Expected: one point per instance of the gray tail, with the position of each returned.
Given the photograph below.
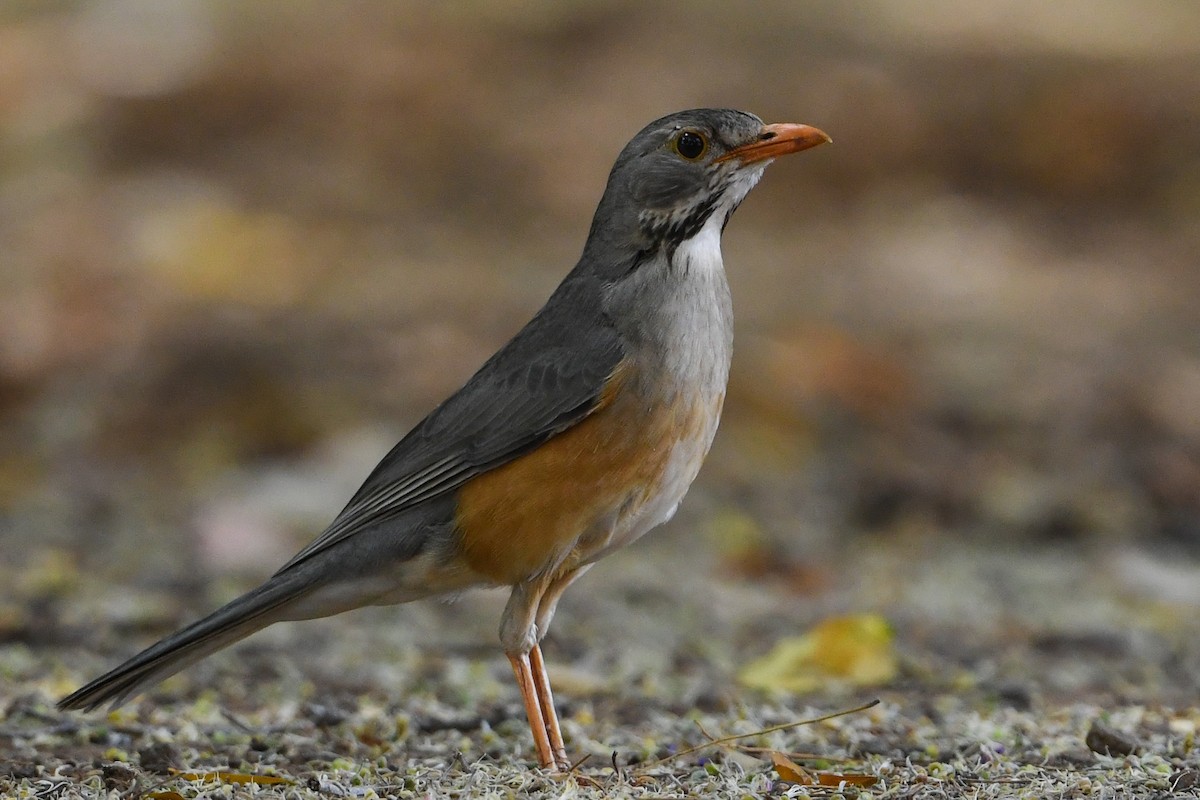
(234, 621)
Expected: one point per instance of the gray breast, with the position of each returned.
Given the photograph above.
(677, 322)
(677, 317)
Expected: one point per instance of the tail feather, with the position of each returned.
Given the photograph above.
(234, 621)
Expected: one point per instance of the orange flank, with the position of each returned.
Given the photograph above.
(549, 511)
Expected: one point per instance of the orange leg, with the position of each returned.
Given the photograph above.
(546, 700)
(529, 692)
(526, 618)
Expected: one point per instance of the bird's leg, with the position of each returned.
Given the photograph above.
(522, 626)
(545, 612)
(519, 635)
(527, 683)
(548, 602)
(541, 683)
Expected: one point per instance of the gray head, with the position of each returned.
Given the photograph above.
(680, 171)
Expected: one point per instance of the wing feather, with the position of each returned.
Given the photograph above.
(546, 379)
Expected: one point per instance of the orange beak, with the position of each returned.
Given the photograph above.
(778, 140)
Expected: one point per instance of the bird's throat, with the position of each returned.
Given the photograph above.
(701, 253)
(699, 224)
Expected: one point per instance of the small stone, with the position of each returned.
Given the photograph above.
(1185, 780)
(1015, 695)
(117, 776)
(325, 715)
(22, 771)
(1071, 758)
(158, 758)
(1106, 741)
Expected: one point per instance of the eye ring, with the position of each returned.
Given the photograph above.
(690, 145)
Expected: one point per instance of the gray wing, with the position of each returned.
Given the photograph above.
(546, 379)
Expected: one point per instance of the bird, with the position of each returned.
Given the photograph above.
(577, 437)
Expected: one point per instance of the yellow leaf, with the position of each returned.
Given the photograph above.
(215, 250)
(230, 777)
(855, 650)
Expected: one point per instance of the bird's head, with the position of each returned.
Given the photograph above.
(682, 170)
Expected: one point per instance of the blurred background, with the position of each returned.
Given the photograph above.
(245, 246)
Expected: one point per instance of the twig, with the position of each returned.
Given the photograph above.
(774, 728)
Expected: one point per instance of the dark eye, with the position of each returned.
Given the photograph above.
(691, 145)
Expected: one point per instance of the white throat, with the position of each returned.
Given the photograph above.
(702, 253)
(703, 250)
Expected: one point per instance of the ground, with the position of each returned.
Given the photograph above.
(1000, 696)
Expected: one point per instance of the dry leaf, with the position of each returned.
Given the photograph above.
(855, 650)
(847, 778)
(791, 771)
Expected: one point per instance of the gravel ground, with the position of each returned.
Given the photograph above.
(1050, 674)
